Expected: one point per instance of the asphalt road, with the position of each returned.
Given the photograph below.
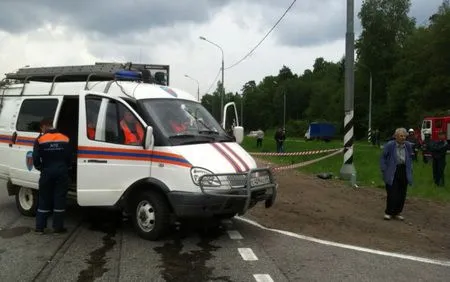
(101, 246)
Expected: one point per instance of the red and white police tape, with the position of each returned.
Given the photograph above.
(304, 153)
(297, 165)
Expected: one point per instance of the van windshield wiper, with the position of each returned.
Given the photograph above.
(182, 136)
(185, 139)
(208, 132)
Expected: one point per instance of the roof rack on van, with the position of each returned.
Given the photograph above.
(100, 71)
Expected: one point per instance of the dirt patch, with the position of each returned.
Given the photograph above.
(332, 210)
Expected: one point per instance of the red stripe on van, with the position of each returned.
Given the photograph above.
(246, 167)
(229, 159)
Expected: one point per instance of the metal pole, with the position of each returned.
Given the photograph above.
(198, 86)
(369, 137)
(284, 110)
(223, 90)
(242, 110)
(198, 91)
(223, 84)
(348, 171)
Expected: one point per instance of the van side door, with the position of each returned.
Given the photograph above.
(9, 107)
(107, 161)
(26, 129)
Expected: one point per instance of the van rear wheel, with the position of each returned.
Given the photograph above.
(27, 201)
(151, 215)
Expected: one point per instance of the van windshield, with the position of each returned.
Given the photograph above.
(186, 121)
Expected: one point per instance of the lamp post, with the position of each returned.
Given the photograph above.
(223, 85)
(284, 110)
(242, 110)
(369, 129)
(284, 104)
(198, 86)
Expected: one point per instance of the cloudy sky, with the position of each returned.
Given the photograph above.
(53, 32)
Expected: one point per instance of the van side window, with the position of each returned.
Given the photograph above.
(33, 111)
(121, 126)
(92, 110)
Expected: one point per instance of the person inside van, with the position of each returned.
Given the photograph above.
(132, 129)
(91, 130)
(178, 121)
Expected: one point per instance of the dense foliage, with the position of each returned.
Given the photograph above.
(409, 63)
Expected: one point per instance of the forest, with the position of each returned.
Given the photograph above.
(410, 67)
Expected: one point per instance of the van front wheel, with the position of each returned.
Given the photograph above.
(150, 215)
(27, 201)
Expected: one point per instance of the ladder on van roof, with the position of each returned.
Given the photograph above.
(100, 71)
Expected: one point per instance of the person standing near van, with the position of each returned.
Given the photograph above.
(52, 157)
(396, 168)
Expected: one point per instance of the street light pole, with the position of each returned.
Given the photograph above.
(198, 86)
(242, 110)
(369, 137)
(284, 110)
(369, 127)
(223, 84)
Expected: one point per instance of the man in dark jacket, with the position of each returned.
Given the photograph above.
(438, 151)
(280, 136)
(396, 168)
(52, 157)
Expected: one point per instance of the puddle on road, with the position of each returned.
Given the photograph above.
(189, 266)
(14, 232)
(103, 222)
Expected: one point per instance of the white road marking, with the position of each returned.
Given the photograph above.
(350, 247)
(235, 235)
(247, 254)
(263, 278)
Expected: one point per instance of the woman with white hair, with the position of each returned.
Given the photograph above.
(396, 168)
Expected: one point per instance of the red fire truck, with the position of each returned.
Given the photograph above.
(433, 125)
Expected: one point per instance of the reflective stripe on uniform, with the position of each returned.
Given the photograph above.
(43, 211)
(53, 137)
(59, 210)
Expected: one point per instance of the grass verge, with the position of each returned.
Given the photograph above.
(366, 161)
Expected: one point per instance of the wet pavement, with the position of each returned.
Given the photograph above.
(101, 245)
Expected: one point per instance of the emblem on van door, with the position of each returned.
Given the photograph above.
(29, 160)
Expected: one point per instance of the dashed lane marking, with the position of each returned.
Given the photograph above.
(234, 235)
(350, 247)
(263, 278)
(247, 254)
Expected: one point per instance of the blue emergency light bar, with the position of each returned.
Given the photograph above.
(128, 75)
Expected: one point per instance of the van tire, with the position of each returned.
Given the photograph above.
(150, 215)
(27, 201)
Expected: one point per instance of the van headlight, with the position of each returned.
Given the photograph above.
(209, 180)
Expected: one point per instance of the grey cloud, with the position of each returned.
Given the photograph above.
(312, 22)
(105, 17)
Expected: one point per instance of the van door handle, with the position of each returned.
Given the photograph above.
(13, 139)
(98, 161)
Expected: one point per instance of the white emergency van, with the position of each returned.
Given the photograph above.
(187, 165)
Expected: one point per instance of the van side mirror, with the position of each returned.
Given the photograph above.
(148, 138)
(238, 132)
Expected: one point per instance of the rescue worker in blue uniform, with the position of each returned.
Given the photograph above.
(52, 157)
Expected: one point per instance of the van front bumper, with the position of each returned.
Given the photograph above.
(235, 194)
